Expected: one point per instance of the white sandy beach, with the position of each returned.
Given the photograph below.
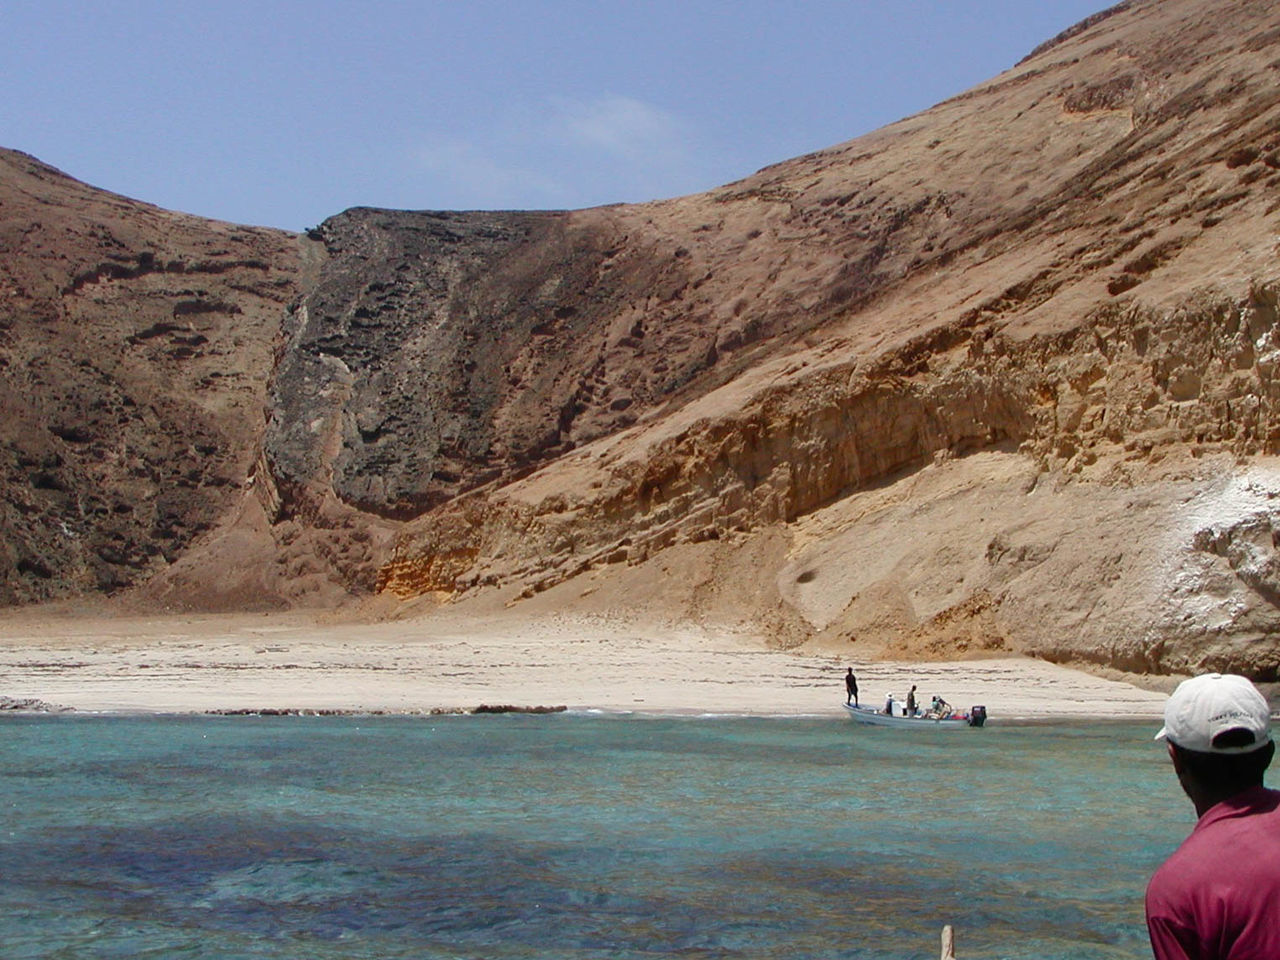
(293, 662)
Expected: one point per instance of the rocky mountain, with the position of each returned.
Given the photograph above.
(136, 347)
(1000, 376)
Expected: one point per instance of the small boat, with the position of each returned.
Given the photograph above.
(975, 717)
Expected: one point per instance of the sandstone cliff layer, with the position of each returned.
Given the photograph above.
(1000, 376)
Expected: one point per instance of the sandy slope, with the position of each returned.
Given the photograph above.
(293, 662)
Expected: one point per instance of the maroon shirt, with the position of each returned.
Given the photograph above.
(1218, 896)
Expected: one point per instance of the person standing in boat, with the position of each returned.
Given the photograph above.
(1218, 896)
(911, 701)
(851, 688)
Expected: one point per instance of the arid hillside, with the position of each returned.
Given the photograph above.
(136, 347)
(998, 377)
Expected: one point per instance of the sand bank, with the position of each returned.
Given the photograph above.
(245, 662)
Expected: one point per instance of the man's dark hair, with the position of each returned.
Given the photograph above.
(1228, 770)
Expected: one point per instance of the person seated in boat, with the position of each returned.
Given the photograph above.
(888, 705)
(939, 707)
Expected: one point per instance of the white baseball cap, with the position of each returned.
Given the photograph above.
(1205, 707)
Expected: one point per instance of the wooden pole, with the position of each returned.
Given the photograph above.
(948, 943)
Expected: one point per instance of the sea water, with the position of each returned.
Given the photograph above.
(573, 836)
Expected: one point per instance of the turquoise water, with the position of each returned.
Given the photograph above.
(575, 837)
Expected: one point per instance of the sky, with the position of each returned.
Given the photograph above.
(282, 113)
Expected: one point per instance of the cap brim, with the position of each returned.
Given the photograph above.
(1162, 735)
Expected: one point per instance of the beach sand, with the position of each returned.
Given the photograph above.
(288, 662)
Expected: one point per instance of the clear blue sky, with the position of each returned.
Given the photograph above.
(284, 112)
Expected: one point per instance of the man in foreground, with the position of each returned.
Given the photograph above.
(1218, 896)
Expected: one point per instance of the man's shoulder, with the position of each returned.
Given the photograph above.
(1223, 831)
(1181, 871)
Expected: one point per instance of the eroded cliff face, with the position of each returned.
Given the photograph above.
(1097, 521)
(1001, 376)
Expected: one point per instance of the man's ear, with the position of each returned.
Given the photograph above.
(1173, 755)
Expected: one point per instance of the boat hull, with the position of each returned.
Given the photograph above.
(874, 717)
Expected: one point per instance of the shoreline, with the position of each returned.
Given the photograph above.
(297, 664)
(52, 712)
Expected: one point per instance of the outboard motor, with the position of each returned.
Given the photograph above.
(977, 716)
